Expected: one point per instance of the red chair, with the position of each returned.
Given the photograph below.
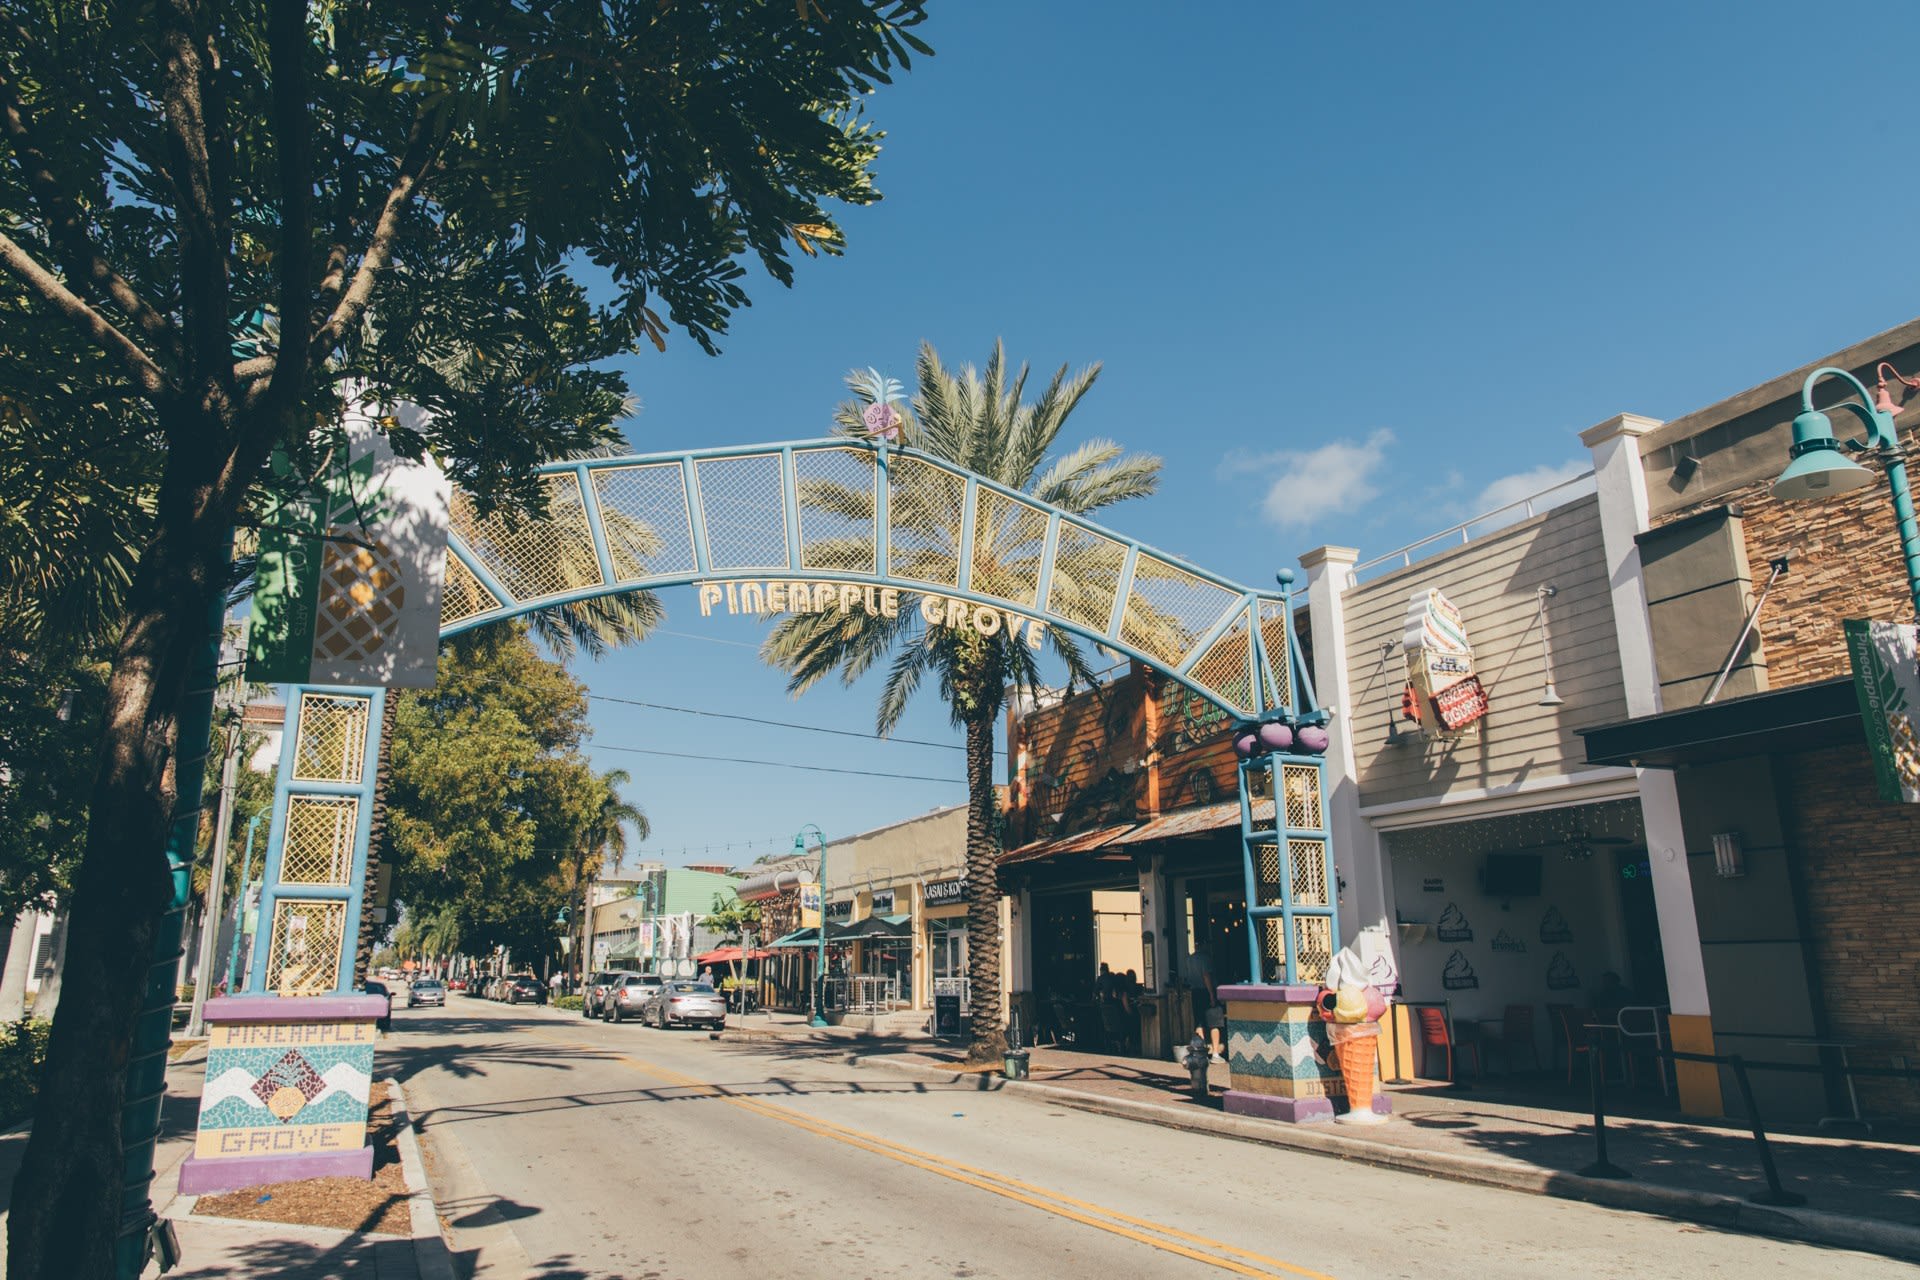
(1516, 1035)
(1571, 1024)
(1436, 1033)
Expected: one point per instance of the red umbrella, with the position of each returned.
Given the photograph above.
(730, 954)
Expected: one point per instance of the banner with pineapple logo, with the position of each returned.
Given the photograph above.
(348, 581)
(1886, 679)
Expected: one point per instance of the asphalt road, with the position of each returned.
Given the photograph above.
(562, 1148)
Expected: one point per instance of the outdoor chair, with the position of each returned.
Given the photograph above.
(1516, 1036)
(1436, 1034)
(1571, 1023)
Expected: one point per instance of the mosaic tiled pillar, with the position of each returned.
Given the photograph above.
(1277, 1060)
(286, 1091)
(316, 860)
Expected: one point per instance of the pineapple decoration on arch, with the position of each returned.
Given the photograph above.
(885, 424)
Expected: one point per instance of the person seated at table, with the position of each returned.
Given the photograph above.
(1612, 995)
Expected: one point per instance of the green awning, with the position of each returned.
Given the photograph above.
(798, 938)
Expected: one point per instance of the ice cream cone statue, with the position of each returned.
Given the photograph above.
(1352, 1008)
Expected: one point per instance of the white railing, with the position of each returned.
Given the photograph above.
(1499, 518)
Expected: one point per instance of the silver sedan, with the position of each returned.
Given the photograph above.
(686, 1004)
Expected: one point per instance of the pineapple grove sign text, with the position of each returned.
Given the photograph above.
(769, 596)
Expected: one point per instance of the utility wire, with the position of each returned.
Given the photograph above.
(784, 724)
(781, 764)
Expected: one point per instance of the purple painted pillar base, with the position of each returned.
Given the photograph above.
(1293, 1110)
(202, 1177)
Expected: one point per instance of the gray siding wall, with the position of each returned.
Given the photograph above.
(1493, 581)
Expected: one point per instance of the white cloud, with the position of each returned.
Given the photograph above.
(1531, 482)
(1309, 484)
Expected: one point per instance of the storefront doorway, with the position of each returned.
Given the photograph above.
(1215, 909)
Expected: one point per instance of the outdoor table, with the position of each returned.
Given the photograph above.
(1853, 1097)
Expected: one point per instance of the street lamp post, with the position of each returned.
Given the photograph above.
(240, 907)
(820, 973)
(1820, 468)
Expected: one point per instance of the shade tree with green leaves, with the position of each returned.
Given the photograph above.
(233, 213)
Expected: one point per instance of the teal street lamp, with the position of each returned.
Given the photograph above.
(820, 972)
(240, 908)
(1820, 467)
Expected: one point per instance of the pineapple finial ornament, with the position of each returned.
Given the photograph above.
(883, 421)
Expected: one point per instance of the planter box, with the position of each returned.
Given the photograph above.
(286, 1091)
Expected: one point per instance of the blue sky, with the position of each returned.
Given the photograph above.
(1355, 275)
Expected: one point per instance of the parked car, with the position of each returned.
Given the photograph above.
(593, 992)
(427, 991)
(686, 1004)
(376, 988)
(625, 998)
(457, 984)
(523, 988)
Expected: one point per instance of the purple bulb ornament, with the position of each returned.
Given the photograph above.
(1312, 739)
(1276, 735)
(1246, 743)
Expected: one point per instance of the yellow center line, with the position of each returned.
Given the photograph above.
(1165, 1238)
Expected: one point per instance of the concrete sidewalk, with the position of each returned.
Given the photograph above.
(226, 1247)
(1861, 1193)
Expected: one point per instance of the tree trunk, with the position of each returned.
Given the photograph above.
(66, 1206)
(989, 1040)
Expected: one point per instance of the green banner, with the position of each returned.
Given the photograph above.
(1886, 680)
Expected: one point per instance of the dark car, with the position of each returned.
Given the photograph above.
(523, 988)
(385, 1021)
(625, 998)
(686, 1004)
(593, 992)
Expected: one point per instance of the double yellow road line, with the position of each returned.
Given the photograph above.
(1215, 1253)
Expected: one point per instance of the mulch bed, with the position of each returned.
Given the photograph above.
(348, 1204)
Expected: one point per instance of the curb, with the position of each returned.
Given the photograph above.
(1811, 1226)
(430, 1253)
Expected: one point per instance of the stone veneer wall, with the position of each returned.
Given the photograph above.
(1845, 564)
(1859, 862)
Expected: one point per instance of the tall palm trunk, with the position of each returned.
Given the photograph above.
(65, 1213)
(983, 897)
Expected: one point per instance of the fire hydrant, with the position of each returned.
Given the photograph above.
(1197, 1059)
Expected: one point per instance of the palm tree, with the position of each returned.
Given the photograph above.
(604, 840)
(979, 422)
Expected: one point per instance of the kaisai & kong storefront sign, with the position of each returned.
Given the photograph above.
(1441, 683)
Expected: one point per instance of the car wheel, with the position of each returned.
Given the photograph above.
(619, 1014)
(584, 1011)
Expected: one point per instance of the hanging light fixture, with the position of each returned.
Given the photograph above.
(1550, 696)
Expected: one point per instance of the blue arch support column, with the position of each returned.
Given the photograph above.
(1277, 1052)
(290, 1058)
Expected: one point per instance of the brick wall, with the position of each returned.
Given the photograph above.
(1859, 860)
(1846, 563)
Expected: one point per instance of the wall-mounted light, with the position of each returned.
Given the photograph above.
(1685, 466)
(1729, 858)
(1550, 696)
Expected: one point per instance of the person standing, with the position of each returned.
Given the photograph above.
(1207, 1012)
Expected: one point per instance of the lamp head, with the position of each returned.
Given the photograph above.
(1819, 469)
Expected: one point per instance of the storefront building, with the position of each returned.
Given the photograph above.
(1800, 874)
(1123, 850)
(1511, 875)
(658, 928)
(896, 919)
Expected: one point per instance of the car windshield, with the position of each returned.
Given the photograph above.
(694, 989)
(427, 984)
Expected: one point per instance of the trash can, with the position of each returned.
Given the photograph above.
(1016, 1064)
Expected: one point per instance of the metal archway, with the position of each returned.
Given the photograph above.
(845, 512)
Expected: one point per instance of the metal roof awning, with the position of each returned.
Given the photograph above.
(806, 937)
(1078, 842)
(1798, 718)
(1200, 821)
